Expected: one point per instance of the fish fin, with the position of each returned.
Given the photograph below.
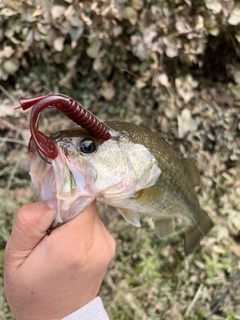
(164, 227)
(192, 171)
(149, 195)
(130, 216)
(194, 234)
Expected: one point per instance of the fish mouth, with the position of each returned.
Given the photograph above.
(64, 189)
(73, 190)
(64, 179)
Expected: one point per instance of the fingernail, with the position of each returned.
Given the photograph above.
(52, 203)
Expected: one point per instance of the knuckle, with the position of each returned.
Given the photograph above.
(24, 218)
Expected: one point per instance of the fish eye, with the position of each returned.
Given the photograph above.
(87, 145)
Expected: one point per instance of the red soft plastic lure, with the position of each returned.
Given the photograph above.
(72, 109)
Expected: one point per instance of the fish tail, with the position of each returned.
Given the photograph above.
(194, 234)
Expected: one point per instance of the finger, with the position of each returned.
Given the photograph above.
(76, 232)
(81, 235)
(30, 226)
(83, 221)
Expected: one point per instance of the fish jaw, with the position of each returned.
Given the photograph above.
(73, 188)
(42, 175)
(62, 180)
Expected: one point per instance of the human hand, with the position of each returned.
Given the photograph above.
(50, 276)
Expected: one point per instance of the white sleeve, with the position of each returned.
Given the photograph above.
(94, 310)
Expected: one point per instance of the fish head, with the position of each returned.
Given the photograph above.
(88, 168)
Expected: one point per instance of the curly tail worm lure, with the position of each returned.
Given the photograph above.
(72, 109)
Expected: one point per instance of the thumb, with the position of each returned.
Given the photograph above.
(30, 226)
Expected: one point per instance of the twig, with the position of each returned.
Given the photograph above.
(195, 299)
(11, 176)
(10, 125)
(14, 141)
(8, 94)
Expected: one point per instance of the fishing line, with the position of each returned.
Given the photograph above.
(50, 91)
(17, 102)
(237, 277)
(221, 300)
(82, 107)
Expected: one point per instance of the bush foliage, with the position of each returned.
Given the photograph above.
(157, 44)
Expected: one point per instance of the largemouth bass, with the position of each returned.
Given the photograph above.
(136, 171)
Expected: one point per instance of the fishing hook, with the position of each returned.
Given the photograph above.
(71, 108)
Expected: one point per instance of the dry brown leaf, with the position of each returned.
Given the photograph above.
(57, 11)
(131, 15)
(58, 44)
(186, 123)
(107, 91)
(93, 49)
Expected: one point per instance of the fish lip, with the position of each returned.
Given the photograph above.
(47, 179)
(73, 186)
